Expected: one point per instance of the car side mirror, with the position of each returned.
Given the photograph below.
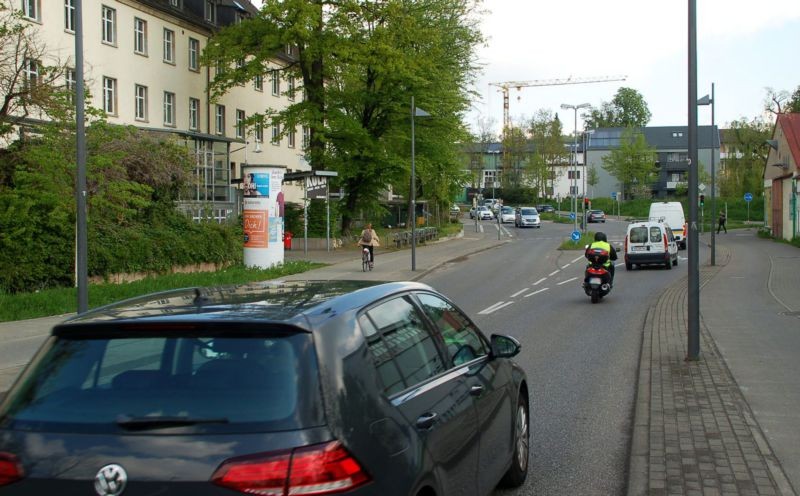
(504, 346)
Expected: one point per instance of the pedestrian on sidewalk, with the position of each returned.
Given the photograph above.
(369, 238)
(722, 220)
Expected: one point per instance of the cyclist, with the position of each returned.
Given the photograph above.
(369, 239)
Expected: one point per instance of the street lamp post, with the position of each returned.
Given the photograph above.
(574, 185)
(415, 112)
(706, 100)
(82, 237)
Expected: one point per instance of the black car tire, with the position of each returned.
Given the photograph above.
(675, 262)
(668, 265)
(518, 471)
(628, 266)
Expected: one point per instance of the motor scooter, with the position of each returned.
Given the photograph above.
(597, 279)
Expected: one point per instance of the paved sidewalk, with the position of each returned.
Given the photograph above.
(694, 432)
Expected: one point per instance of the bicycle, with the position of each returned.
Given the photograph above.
(366, 264)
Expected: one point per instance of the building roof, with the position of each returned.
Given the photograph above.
(790, 123)
(659, 137)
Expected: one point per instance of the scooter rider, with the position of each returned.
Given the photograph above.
(601, 242)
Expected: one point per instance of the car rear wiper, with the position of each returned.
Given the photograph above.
(152, 422)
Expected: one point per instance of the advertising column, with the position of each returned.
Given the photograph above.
(263, 215)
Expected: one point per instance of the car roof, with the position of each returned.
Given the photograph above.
(287, 302)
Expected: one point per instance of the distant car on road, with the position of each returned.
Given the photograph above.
(596, 216)
(545, 209)
(484, 213)
(507, 214)
(527, 217)
(285, 388)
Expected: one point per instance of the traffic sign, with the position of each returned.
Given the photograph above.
(613, 195)
(576, 235)
(572, 216)
(748, 197)
(701, 187)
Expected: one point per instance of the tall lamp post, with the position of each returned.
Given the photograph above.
(415, 112)
(82, 237)
(574, 186)
(706, 100)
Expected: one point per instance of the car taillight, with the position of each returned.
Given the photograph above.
(321, 469)
(10, 469)
(666, 248)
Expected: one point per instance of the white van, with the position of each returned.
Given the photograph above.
(650, 243)
(672, 214)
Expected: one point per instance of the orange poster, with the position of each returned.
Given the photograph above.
(255, 229)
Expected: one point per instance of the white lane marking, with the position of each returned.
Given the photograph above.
(495, 308)
(481, 228)
(519, 292)
(540, 281)
(554, 273)
(536, 292)
(620, 264)
(568, 280)
(576, 259)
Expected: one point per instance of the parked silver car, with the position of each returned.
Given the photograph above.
(527, 217)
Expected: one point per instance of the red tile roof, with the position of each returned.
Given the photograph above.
(790, 123)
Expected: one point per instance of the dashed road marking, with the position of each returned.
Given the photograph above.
(554, 273)
(576, 259)
(619, 264)
(536, 292)
(568, 280)
(540, 281)
(519, 292)
(495, 307)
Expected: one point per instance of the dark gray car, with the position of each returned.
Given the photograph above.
(272, 389)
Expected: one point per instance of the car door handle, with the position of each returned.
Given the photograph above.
(476, 390)
(426, 420)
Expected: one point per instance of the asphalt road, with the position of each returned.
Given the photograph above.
(581, 358)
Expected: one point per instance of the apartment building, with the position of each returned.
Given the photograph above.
(142, 68)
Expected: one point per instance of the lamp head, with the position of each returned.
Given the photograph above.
(706, 100)
(772, 143)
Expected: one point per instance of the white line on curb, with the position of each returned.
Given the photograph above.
(536, 292)
(568, 280)
(554, 273)
(496, 307)
(519, 292)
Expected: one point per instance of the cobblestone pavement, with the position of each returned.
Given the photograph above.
(694, 433)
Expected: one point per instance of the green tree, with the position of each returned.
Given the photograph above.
(628, 108)
(360, 64)
(632, 163)
(516, 154)
(546, 136)
(794, 102)
(743, 169)
(592, 178)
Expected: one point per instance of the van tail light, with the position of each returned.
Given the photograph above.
(626, 244)
(666, 246)
(320, 469)
(10, 469)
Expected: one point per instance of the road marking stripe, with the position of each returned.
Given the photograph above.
(620, 264)
(536, 292)
(540, 281)
(496, 307)
(519, 292)
(491, 308)
(576, 259)
(554, 273)
(568, 280)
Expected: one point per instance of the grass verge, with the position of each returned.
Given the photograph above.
(568, 244)
(59, 301)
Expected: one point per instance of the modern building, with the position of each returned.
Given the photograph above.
(671, 144)
(782, 178)
(142, 68)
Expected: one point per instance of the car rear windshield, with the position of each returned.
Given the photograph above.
(528, 211)
(103, 383)
(638, 234)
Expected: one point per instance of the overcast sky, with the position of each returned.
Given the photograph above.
(743, 47)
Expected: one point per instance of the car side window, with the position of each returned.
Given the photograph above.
(655, 234)
(400, 339)
(461, 338)
(670, 236)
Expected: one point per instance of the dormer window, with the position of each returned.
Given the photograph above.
(211, 11)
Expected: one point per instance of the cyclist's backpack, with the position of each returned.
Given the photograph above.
(367, 236)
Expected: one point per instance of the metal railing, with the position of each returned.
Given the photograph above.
(423, 234)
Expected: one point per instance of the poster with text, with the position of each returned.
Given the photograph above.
(255, 228)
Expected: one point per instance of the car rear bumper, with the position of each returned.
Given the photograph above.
(647, 257)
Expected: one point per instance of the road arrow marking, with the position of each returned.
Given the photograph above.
(536, 292)
(568, 280)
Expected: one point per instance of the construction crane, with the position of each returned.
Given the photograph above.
(504, 87)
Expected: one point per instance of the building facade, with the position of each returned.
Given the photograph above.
(142, 68)
(782, 178)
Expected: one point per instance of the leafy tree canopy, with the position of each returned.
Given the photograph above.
(627, 109)
(632, 163)
(743, 169)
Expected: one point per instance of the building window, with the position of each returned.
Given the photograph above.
(110, 95)
(240, 123)
(276, 134)
(109, 25)
(211, 11)
(259, 133)
(290, 89)
(306, 137)
(69, 85)
(258, 82)
(573, 190)
(169, 108)
(292, 138)
(69, 15)
(288, 49)
(276, 83)
(219, 120)
(139, 36)
(194, 53)
(169, 46)
(573, 174)
(31, 70)
(175, 3)
(30, 9)
(194, 113)
(141, 102)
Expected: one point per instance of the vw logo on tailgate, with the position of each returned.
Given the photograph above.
(110, 480)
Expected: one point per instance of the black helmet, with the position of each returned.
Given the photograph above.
(600, 236)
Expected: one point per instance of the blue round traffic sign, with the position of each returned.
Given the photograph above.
(576, 235)
(572, 216)
(748, 197)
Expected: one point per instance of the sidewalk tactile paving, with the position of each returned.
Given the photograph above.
(700, 434)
